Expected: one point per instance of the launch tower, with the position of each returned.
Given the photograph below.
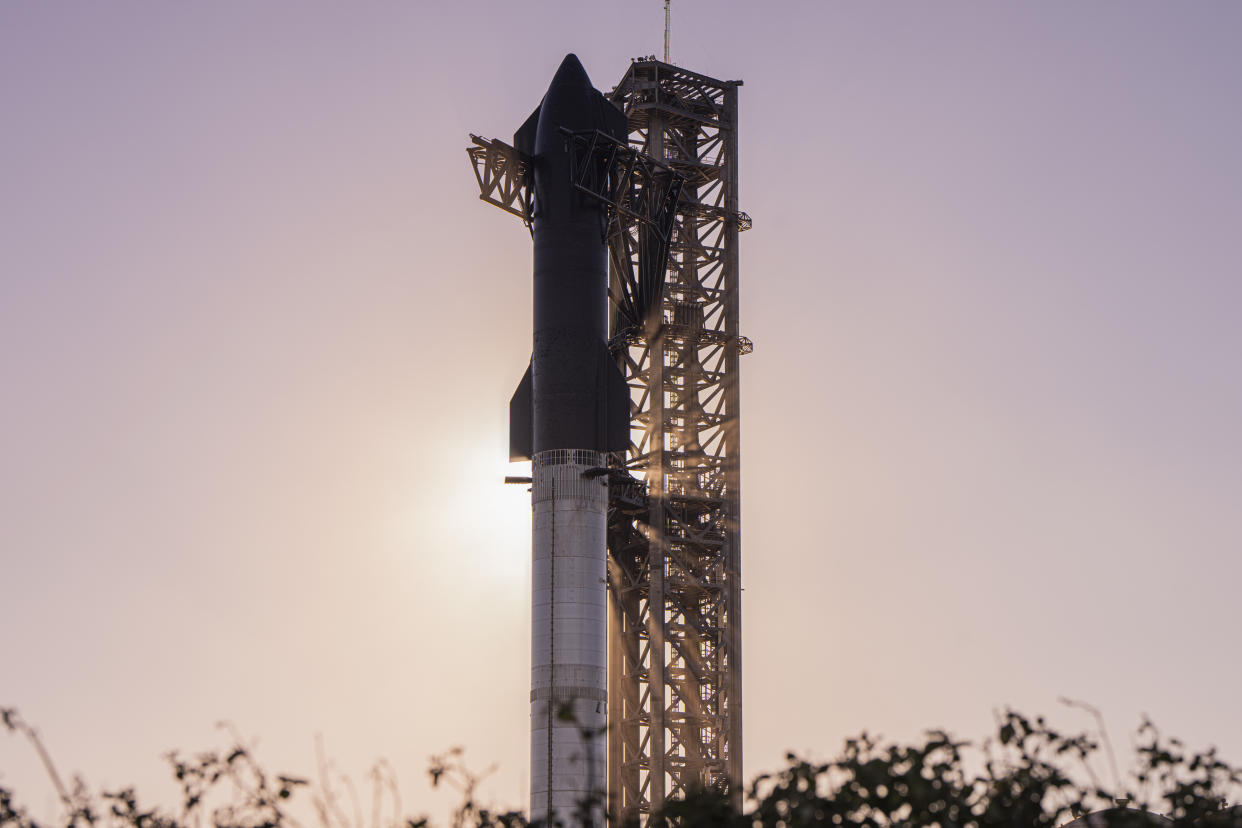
(675, 681)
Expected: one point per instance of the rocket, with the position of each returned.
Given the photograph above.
(570, 409)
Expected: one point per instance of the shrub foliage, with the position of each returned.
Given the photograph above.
(1026, 775)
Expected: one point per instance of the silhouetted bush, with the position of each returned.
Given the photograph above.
(1026, 776)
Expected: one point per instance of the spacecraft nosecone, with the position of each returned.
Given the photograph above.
(570, 409)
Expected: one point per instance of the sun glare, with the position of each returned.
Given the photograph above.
(493, 517)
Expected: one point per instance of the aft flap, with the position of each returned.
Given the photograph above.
(524, 138)
(615, 122)
(616, 407)
(521, 432)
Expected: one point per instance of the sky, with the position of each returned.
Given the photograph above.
(258, 338)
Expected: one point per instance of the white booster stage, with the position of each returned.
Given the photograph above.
(569, 646)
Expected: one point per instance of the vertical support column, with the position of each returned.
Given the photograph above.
(683, 389)
(656, 480)
(616, 692)
(656, 628)
(625, 654)
(733, 454)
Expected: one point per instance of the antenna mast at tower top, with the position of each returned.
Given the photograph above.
(666, 24)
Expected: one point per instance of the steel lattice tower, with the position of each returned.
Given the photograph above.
(675, 690)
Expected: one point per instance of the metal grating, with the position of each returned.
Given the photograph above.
(675, 711)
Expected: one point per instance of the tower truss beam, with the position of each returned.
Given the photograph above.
(504, 176)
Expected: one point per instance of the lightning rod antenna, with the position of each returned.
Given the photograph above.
(666, 23)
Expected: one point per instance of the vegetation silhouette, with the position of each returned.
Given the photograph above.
(1026, 775)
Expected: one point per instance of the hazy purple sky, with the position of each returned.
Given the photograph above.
(258, 336)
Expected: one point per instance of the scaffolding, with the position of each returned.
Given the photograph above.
(675, 691)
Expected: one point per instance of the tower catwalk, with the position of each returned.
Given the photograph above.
(675, 690)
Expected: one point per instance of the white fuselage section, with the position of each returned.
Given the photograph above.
(569, 629)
